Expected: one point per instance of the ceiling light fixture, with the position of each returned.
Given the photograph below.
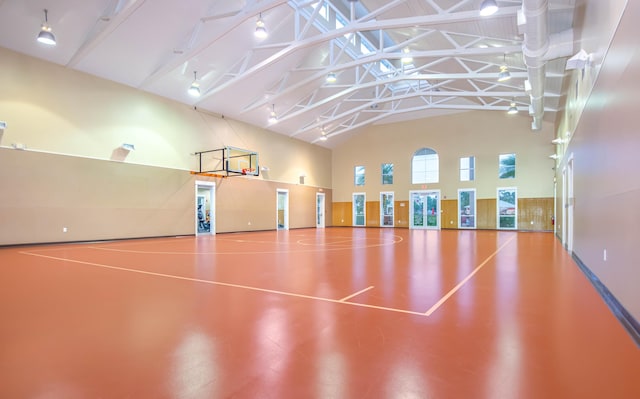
(194, 90)
(406, 58)
(488, 7)
(261, 30)
(273, 118)
(558, 141)
(504, 74)
(46, 36)
(331, 77)
(512, 108)
(323, 134)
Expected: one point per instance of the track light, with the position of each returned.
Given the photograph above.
(273, 117)
(406, 58)
(194, 90)
(512, 108)
(46, 36)
(488, 7)
(558, 141)
(261, 30)
(331, 77)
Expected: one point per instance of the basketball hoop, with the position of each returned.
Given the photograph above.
(246, 171)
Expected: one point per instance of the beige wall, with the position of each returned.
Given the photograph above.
(601, 118)
(484, 135)
(50, 108)
(73, 173)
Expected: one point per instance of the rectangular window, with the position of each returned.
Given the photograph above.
(507, 166)
(467, 168)
(387, 173)
(359, 175)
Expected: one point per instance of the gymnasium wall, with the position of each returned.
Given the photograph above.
(601, 123)
(484, 135)
(70, 171)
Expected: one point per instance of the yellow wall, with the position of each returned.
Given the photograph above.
(53, 109)
(484, 135)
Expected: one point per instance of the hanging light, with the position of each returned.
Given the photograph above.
(504, 74)
(261, 30)
(331, 77)
(512, 108)
(273, 117)
(406, 58)
(194, 90)
(46, 36)
(488, 7)
(323, 135)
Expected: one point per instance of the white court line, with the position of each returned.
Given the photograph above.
(246, 287)
(461, 283)
(357, 293)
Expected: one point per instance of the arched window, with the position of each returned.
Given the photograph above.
(425, 166)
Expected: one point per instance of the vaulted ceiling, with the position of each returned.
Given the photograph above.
(163, 46)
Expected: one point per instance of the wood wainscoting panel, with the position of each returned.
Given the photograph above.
(449, 216)
(535, 214)
(373, 214)
(486, 213)
(401, 213)
(341, 214)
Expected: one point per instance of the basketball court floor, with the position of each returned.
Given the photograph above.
(310, 313)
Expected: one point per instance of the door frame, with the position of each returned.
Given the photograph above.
(284, 192)
(567, 204)
(211, 188)
(320, 210)
(353, 210)
(475, 209)
(515, 208)
(438, 211)
(382, 214)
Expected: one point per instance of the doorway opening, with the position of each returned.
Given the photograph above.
(424, 209)
(282, 209)
(205, 208)
(320, 223)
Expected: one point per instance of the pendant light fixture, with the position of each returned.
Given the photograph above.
(504, 74)
(331, 77)
(273, 118)
(488, 7)
(261, 29)
(512, 107)
(406, 58)
(46, 35)
(194, 90)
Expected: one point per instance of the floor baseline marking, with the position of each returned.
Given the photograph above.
(356, 294)
(463, 282)
(247, 287)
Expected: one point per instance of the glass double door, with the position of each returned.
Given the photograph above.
(424, 210)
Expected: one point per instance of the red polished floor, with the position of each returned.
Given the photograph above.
(329, 313)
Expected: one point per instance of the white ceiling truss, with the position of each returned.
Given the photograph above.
(158, 46)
